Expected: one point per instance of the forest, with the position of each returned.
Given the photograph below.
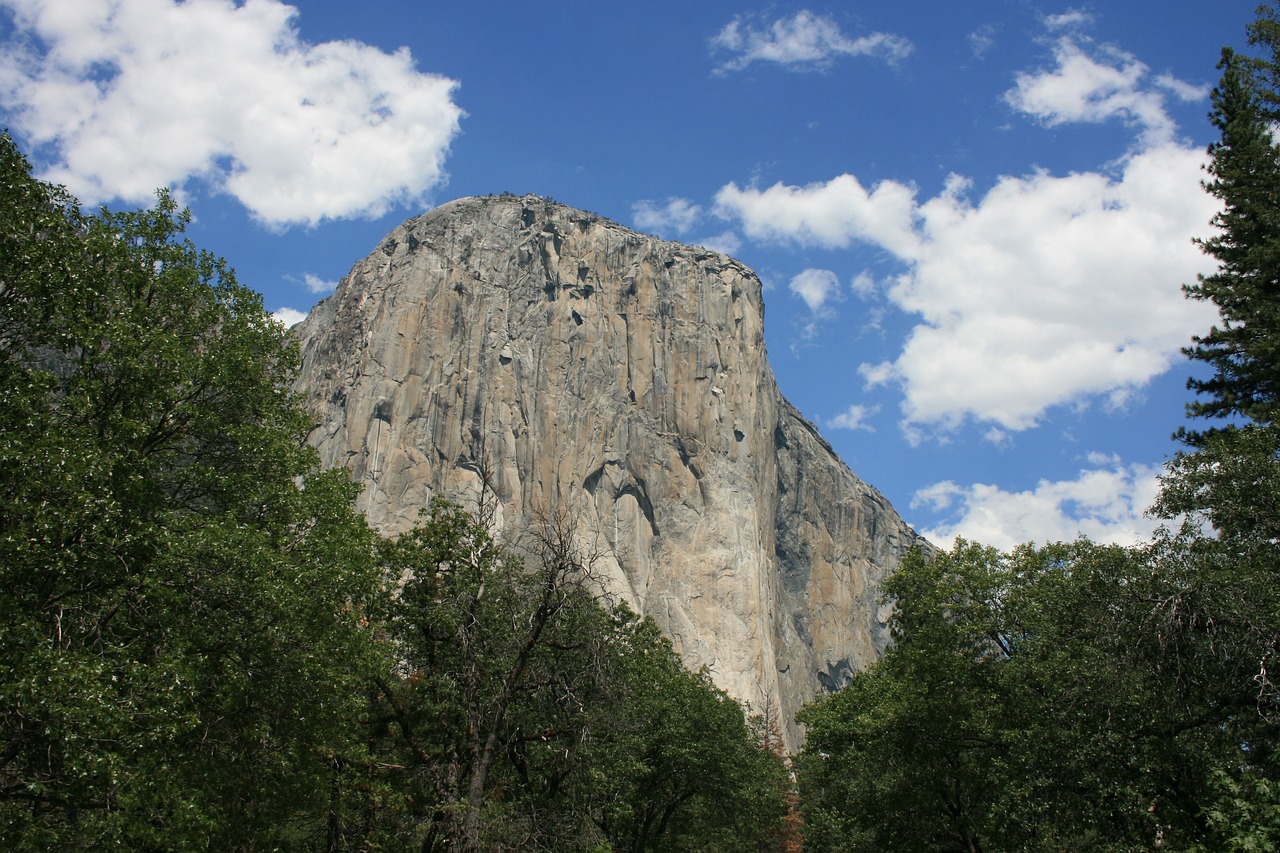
(205, 646)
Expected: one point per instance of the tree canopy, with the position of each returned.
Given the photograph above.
(1060, 697)
(531, 716)
(182, 587)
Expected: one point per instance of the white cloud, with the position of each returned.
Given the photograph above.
(802, 41)
(997, 436)
(675, 215)
(982, 40)
(1105, 504)
(1084, 87)
(130, 95)
(1181, 89)
(1068, 19)
(865, 286)
(1047, 290)
(834, 214)
(289, 316)
(316, 284)
(815, 287)
(854, 417)
(1050, 290)
(726, 242)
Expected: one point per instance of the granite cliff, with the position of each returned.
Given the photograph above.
(622, 380)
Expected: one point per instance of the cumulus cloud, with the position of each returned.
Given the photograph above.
(815, 287)
(676, 215)
(1046, 290)
(803, 41)
(854, 417)
(288, 316)
(832, 214)
(129, 95)
(1107, 504)
(1049, 290)
(1083, 87)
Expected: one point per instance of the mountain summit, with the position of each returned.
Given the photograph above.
(620, 380)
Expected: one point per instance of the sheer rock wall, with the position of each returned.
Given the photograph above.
(622, 380)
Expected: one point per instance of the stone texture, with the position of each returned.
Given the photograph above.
(621, 379)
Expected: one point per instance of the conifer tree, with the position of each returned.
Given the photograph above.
(1244, 350)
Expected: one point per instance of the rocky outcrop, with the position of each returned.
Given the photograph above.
(622, 380)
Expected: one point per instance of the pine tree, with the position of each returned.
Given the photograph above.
(1244, 351)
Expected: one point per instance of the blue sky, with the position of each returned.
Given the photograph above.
(972, 219)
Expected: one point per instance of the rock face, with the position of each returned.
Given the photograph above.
(622, 380)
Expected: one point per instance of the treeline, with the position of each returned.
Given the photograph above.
(1093, 698)
(204, 647)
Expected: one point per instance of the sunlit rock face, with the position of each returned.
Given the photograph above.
(621, 381)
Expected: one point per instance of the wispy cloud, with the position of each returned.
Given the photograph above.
(803, 41)
(128, 95)
(726, 242)
(675, 215)
(1095, 86)
(816, 288)
(1070, 19)
(314, 283)
(982, 40)
(855, 417)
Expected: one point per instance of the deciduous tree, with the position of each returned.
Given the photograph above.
(533, 714)
(181, 651)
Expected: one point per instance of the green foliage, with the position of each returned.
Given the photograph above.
(676, 765)
(1226, 494)
(1037, 700)
(1245, 175)
(181, 654)
(903, 758)
(529, 716)
(498, 655)
(1246, 813)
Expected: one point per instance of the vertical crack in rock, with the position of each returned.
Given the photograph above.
(622, 380)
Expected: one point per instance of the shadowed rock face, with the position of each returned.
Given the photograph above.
(623, 380)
